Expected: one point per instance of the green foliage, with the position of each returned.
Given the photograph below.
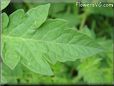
(57, 44)
(4, 4)
(26, 37)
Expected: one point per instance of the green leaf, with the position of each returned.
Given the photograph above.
(11, 76)
(36, 44)
(90, 71)
(5, 20)
(16, 20)
(4, 4)
(57, 7)
(73, 19)
(88, 32)
(98, 69)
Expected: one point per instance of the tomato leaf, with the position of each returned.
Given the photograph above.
(35, 42)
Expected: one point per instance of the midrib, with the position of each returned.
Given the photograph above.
(43, 41)
(29, 39)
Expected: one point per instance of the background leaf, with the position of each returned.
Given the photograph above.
(4, 4)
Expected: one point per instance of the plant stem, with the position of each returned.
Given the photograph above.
(83, 20)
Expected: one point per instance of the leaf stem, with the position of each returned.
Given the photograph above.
(84, 16)
(77, 79)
